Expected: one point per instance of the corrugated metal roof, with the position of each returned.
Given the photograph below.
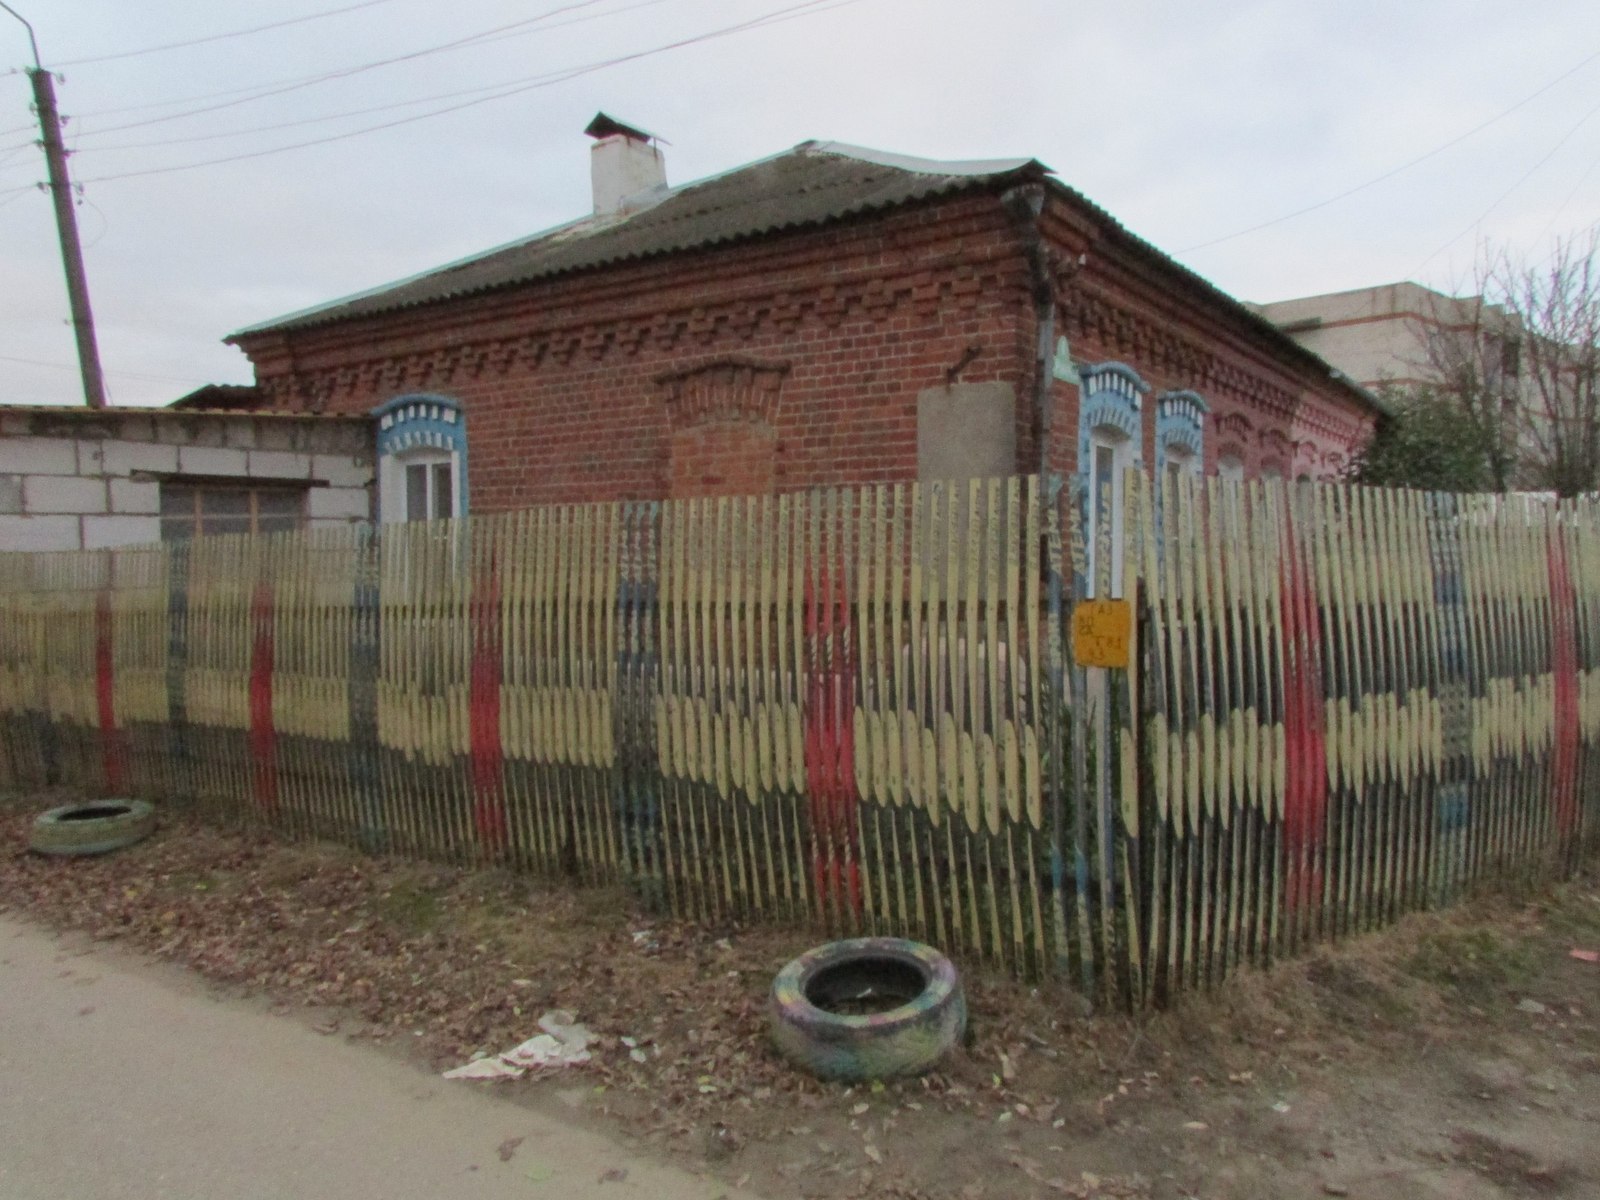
(814, 183)
(84, 413)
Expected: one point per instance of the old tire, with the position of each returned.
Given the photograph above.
(868, 1008)
(94, 827)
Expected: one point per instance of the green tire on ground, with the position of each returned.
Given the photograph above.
(92, 827)
(868, 1008)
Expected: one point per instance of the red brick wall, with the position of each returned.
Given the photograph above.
(1269, 406)
(795, 360)
(569, 385)
(722, 458)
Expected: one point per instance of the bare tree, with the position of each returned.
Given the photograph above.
(1521, 360)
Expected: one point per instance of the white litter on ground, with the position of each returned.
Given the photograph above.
(564, 1043)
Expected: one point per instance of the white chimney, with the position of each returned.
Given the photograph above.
(624, 163)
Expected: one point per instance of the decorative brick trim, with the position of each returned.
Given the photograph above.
(950, 274)
(1236, 425)
(726, 389)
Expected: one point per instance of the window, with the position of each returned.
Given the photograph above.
(1111, 456)
(200, 509)
(1510, 357)
(422, 459)
(1180, 461)
(1180, 435)
(429, 485)
(1231, 468)
(1110, 429)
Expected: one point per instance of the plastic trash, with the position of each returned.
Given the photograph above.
(484, 1068)
(564, 1043)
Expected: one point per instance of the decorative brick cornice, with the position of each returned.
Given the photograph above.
(732, 312)
(1096, 316)
(1236, 425)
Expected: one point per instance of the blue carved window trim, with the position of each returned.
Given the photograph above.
(1180, 422)
(420, 423)
(1112, 397)
(1110, 419)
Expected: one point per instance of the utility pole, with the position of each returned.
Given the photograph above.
(44, 99)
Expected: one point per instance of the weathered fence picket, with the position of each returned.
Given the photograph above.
(865, 708)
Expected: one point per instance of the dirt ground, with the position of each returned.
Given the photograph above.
(1455, 1055)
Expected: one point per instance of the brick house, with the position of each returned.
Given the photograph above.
(828, 315)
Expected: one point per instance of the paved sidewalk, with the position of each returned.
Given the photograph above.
(122, 1080)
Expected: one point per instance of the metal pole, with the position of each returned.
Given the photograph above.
(44, 97)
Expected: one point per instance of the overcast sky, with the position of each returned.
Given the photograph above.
(1189, 121)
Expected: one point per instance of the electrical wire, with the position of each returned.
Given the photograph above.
(1390, 174)
(11, 152)
(222, 37)
(1572, 195)
(105, 223)
(808, 7)
(36, 362)
(263, 91)
(357, 112)
(1526, 175)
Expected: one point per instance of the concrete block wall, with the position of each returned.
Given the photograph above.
(76, 479)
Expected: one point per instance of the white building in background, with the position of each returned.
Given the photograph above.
(1397, 333)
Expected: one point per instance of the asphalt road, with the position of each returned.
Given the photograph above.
(122, 1079)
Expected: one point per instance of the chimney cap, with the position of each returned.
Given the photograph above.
(603, 127)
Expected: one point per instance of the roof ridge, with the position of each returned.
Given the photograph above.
(923, 166)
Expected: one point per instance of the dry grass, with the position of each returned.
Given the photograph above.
(1041, 1095)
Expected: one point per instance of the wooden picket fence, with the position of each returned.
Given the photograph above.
(869, 709)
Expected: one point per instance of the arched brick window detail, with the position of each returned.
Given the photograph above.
(1230, 462)
(422, 458)
(1277, 455)
(1110, 441)
(722, 417)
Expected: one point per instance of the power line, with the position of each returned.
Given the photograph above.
(222, 37)
(36, 362)
(1422, 158)
(357, 112)
(1572, 195)
(263, 91)
(1478, 220)
(808, 7)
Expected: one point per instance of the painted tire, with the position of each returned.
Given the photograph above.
(95, 827)
(906, 1039)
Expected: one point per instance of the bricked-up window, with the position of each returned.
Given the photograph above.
(200, 509)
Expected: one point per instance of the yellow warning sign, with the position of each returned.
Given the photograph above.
(1101, 633)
